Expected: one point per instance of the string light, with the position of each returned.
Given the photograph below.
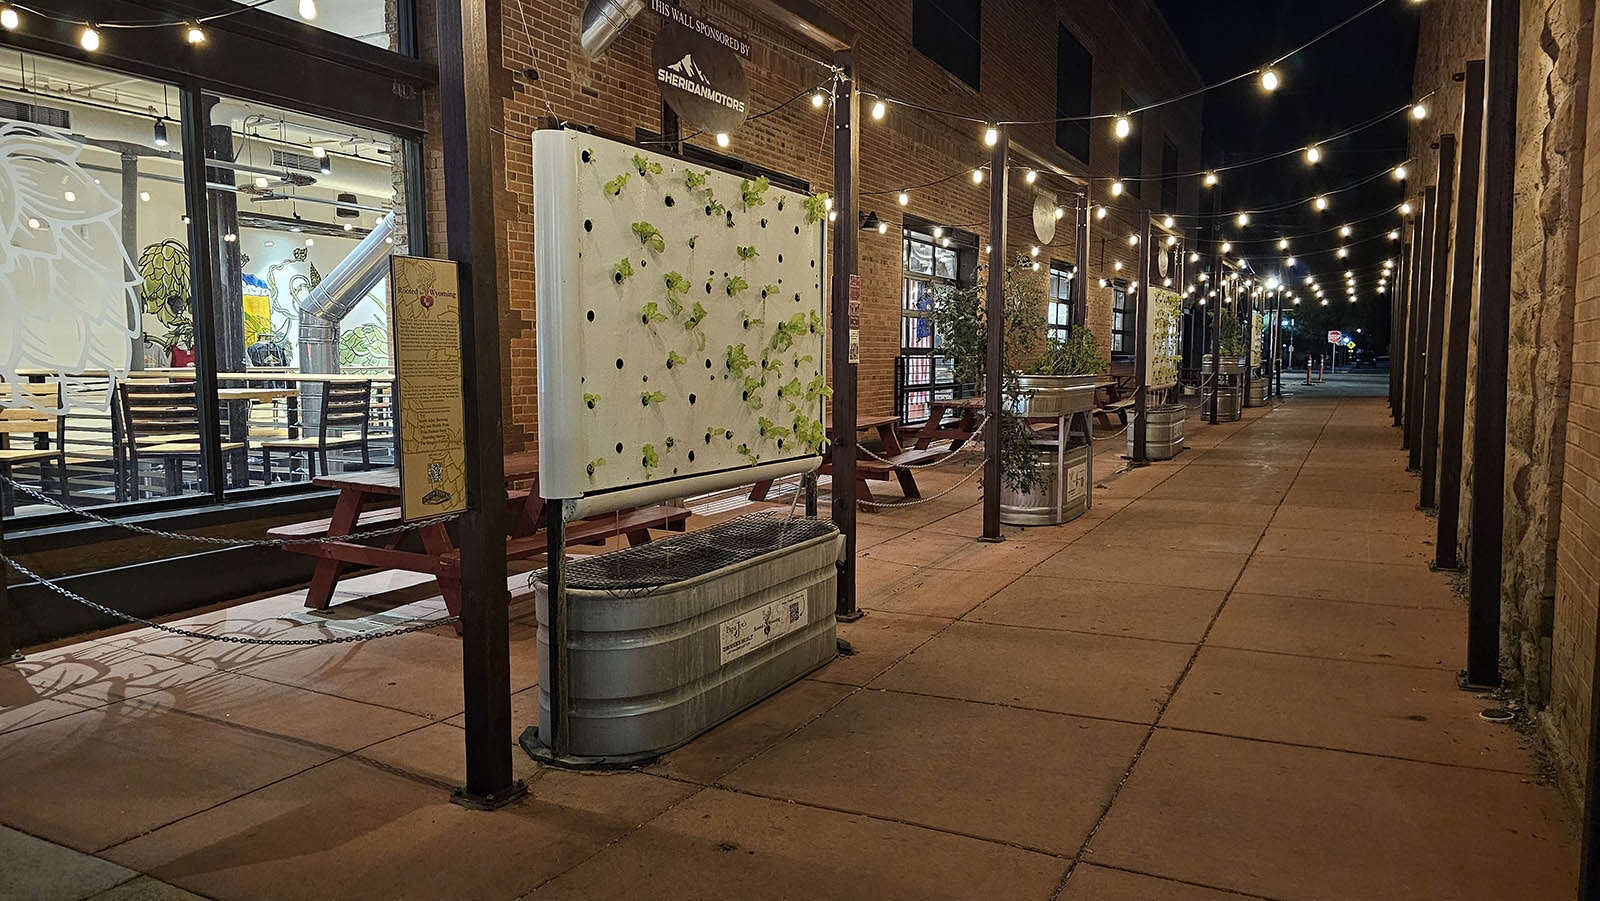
(1031, 177)
(1060, 214)
(1100, 212)
(883, 227)
(1123, 127)
(1227, 247)
(1399, 173)
(1033, 251)
(722, 139)
(1116, 189)
(1394, 235)
(817, 100)
(1133, 240)
(1169, 222)
(904, 198)
(89, 38)
(1313, 154)
(1172, 240)
(1195, 258)
(1117, 266)
(1419, 111)
(1344, 232)
(1283, 243)
(1210, 180)
(1405, 208)
(1244, 219)
(193, 34)
(1320, 203)
(1269, 80)
(9, 18)
(1290, 262)
(938, 231)
(977, 176)
(991, 136)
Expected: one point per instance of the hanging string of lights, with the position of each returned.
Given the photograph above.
(89, 32)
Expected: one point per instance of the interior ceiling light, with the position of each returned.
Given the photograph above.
(161, 133)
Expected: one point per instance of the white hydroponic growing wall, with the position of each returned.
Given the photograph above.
(680, 313)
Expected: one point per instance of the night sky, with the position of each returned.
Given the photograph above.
(1358, 73)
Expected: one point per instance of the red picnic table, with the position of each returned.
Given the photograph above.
(439, 556)
(899, 460)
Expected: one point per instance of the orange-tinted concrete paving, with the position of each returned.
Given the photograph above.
(1234, 677)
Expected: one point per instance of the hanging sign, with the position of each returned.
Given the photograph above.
(429, 412)
(698, 70)
(1044, 217)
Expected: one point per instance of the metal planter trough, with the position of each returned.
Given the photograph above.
(1055, 395)
(1164, 431)
(668, 639)
(1061, 493)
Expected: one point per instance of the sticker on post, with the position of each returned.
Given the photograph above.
(760, 627)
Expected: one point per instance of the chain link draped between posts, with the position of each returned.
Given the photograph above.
(73, 596)
(877, 505)
(947, 458)
(43, 498)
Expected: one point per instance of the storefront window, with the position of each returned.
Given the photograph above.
(375, 22)
(95, 286)
(306, 213)
(1060, 313)
(922, 374)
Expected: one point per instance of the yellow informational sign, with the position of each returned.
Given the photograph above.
(427, 357)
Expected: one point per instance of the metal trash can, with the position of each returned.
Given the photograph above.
(1061, 493)
(1164, 431)
(668, 639)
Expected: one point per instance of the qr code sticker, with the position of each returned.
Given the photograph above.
(435, 473)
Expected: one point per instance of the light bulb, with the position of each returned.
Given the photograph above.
(1283, 243)
(1344, 232)
(1031, 177)
(1419, 112)
(991, 136)
(89, 39)
(1227, 247)
(311, 242)
(827, 203)
(1244, 219)
(261, 181)
(1210, 179)
(1035, 267)
(320, 152)
(879, 110)
(1269, 80)
(1394, 235)
(1116, 189)
(1133, 240)
(1344, 252)
(1194, 257)
(8, 19)
(1313, 154)
(1399, 173)
(1169, 222)
(349, 228)
(1099, 212)
(194, 35)
(34, 223)
(1167, 282)
(1290, 262)
(904, 198)
(70, 196)
(833, 216)
(977, 176)
(230, 237)
(722, 139)
(1172, 240)
(944, 242)
(883, 227)
(1123, 127)
(1117, 266)
(1405, 208)
(1321, 203)
(1060, 214)
(308, 9)
(938, 231)
(1033, 251)
(144, 196)
(817, 100)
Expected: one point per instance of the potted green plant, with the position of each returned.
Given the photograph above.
(1059, 379)
(1230, 367)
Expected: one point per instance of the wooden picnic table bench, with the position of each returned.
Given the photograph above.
(439, 556)
(868, 469)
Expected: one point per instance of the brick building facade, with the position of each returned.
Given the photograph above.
(1551, 553)
(542, 73)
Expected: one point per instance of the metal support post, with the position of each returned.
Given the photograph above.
(844, 294)
(8, 646)
(557, 675)
(1464, 252)
(1494, 322)
(1080, 260)
(1417, 371)
(466, 126)
(1400, 340)
(1141, 342)
(1439, 272)
(999, 182)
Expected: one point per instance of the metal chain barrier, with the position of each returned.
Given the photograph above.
(71, 595)
(221, 542)
(936, 463)
(925, 500)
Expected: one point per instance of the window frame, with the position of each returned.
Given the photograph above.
(1060, 274)
(966, 254)
(1122, 340)
(1073, 137)
(931, 21)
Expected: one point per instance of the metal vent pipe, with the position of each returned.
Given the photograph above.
(333, 298)
(603, 20)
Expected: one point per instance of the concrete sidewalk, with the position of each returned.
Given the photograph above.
(1234, 677)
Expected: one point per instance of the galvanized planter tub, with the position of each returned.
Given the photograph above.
(1227, 404)
(1225, 367)
(1055, 395)
(1058, 497)
(1258, 392)
(649, 672)
(1164, 431)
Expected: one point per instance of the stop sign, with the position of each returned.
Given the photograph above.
(1335, 337)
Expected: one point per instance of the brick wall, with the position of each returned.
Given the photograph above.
(545, 74)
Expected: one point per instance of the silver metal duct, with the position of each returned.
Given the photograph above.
(603, 20)
(332, 299)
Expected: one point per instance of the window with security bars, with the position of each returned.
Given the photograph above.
(922, 373)
(1059, 319)
(1122, 324)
